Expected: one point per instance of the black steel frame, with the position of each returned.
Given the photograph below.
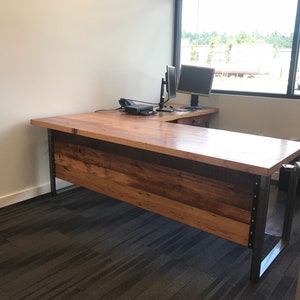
(259, 265)
(51, 162)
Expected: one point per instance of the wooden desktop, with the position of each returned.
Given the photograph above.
(214, 180)
(187, 117)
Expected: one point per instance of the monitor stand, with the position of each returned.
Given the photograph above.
(194, 104)
(161, 105)
(190, 107)
(165, 109)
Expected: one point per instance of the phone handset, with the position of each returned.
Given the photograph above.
(126, 102)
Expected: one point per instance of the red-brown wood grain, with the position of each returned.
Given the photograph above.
(244, 152)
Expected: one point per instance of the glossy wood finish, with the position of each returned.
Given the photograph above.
(186, 117)
(238, 151)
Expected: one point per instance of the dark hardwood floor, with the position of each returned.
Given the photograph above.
(82, 245)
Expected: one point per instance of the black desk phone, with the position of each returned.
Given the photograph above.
(135, 109)
(126, 102)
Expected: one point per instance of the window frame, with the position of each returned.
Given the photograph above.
(293, 63)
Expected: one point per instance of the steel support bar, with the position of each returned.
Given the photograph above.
(290, 205)
(51, 162)
(259, 218)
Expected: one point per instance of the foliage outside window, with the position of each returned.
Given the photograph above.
(251, 44)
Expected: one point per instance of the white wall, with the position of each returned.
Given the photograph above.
(60, 57)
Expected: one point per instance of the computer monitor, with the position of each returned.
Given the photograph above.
(196, 81)
(170, 82)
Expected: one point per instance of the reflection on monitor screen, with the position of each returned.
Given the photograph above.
(171, 82)
(195, 80)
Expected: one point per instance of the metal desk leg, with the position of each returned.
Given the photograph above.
(51, 162)
(290, 206)
(258, 221)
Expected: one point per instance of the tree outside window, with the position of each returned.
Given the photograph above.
(249, 43)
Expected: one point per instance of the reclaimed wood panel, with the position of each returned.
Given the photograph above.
(216, 204)
(194, 121)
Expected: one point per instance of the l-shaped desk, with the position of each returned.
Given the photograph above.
(214, 180)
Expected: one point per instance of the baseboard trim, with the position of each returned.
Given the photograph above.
(31, 193)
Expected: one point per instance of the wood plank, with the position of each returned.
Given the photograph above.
(206, 203)
(206, 112)
(244, 152)
(221, 226)
(232, 199)
(194, 121)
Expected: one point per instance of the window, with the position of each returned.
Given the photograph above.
(253, 45)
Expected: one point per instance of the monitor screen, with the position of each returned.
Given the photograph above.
(195, 80)
(171, 81)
